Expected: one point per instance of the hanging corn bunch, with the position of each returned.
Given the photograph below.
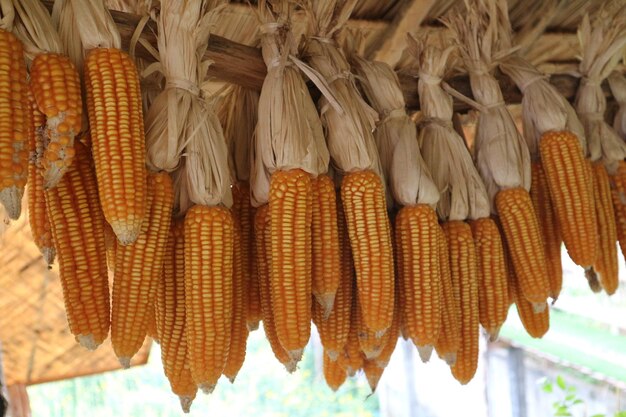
(601, 39)
(618, 189)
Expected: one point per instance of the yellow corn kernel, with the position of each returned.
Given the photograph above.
(418, 264)
(239, 328)
(325, 243)
(209, 236)
(493, 294)
(116, 122)
(449, 340)
(606, 263)
(464, 274)
(263, 243)
(16, 124)
(334, 374)
(56, 88)
(550, 231)
(369, 229)
(290, 211)
(563, 161)
(110, 241)
(138, 272)
(77, 231)
(171, 318)
(521, 230)
(244, 213)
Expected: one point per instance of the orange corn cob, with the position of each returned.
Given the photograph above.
(77, 231)
(464, 273)
(370, 343)
(37, 215)
(449, 340)
(593, 280)
(618, 193)
(606, 263)
(536, 324)
(369, 229)
(239, 328)
(352, 357)
(325, 243)
(138, 272)
(334, 374)
(56, 88)
(171, 318)
(263, 242)
(550, 231)
(563, 161)
(151, 326)
(392, 335)
(15, 124)
(116, 122)
(290, 211)
(110, 241)
(373, 373)
(493, 295)
(523, 236)
(209, 236)
(418, 264)
(244, 212)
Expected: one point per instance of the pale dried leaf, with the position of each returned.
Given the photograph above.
(33, 26)
(617, 81)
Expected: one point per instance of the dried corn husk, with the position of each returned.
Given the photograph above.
(617, 81)
(601, 39)
(396, 135)
(350, 121)
(238, 112)
(34, 28)
(502, 156)
(289, 133)
(463, 194)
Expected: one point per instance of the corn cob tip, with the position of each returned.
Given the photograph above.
(124, 361)
(592, 280)
(125, 235)
(87, 341)
(48, 255)
(351, 372)
(380, 333)
(296, 355)
(332, 355)
(425, 352)
(252, 326)
(326, 301)
(450, 358)
(206, 388)
(291, 366)
(539, 308)
(373, 354)
(231, 379)
(493, 333)
(382, 363)
(11, 199)
(185, 403)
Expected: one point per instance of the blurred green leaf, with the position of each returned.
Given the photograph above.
(561, 382)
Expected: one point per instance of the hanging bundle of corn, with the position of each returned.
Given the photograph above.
(238, 115)
(502, 155)
(618, 189)
(413, 189)
(349, 123)
(290, 147)
(556, 141)
(601, 39)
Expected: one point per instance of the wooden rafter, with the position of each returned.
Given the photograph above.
(388, 48)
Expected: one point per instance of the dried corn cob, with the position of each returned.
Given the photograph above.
(15, 126)
(239, 329)
(290, 210)
(37, 214)
(171, 317)
(209, 236)
(391, 336)
(370, 343)
(110, 242)
(334, 330)
(263, 241)
(550, 230)
(365, 210)
(138, 271)
(418, 262)
(334, 374)
(244, 213)
(373, 373)
(77, 230)
(325, 243)
(464, 273)
(116, 121)
(536, 324)
(493, 293)
(563, 161)
(606, 262)
(618, 193)
(449, 340)
(523, 236)
(56, 88)
(352, 358)
(151, 325)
